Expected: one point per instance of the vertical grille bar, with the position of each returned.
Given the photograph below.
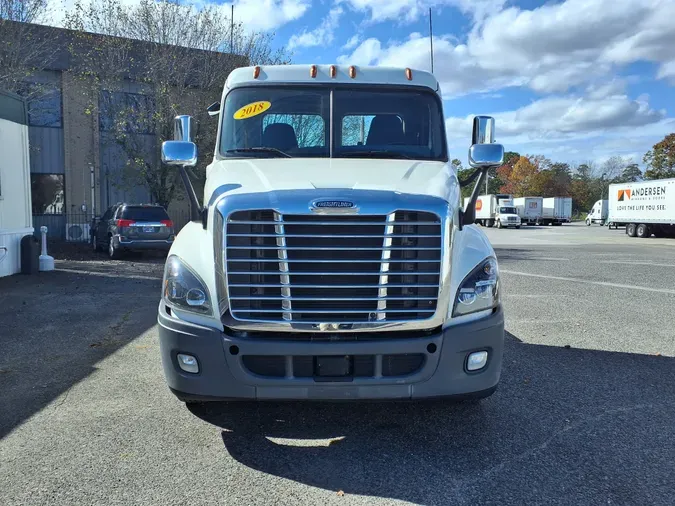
(384, 267)
(283, 267)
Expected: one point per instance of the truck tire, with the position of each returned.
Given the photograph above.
(642, 231)
(499, 224)
(517, 227)
(588, 222)
(630, 229)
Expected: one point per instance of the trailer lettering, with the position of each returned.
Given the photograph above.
(649, 191)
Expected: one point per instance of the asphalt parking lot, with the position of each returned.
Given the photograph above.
(584, 414)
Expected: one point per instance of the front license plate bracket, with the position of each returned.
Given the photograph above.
(339, 367)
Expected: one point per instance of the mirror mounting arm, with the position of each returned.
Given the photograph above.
(468, 216)
(196, 213)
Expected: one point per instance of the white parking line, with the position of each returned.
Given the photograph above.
(587, 282)
(109, 274)
(635, 263)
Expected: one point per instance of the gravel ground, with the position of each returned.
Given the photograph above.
(85, 416)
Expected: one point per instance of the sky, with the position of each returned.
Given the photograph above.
(574, 80)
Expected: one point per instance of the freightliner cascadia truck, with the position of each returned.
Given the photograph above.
(330, 256)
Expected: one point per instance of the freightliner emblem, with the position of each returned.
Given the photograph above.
(342, 204)
(333, 206)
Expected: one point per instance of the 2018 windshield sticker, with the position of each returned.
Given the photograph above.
(252, 109)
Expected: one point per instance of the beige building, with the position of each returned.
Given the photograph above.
(76, 169)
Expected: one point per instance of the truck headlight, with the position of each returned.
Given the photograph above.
(183, 289)
(479, 290)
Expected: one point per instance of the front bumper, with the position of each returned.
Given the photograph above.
(223, 375)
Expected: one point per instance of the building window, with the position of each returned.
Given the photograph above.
(126, 112)
(47, 193)
(44, 104)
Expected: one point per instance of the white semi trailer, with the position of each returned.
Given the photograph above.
(529, 209)
(556, 211)
(646, 208)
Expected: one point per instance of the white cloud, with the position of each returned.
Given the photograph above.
(572, 128)
(322, 35)
(352, 42)
(367, 53)
(411, 10)
(549, 49)
(560, 117)
(265, 15)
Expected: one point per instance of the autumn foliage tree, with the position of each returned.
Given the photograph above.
(522, 178)
(660, 160)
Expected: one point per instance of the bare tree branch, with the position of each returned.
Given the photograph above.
(176, 54)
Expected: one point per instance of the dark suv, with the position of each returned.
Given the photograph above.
(132, 227)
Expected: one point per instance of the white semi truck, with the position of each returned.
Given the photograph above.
(330, 257)
(495, 210)
(556, 211)
(529, 209)
(598, 214)
(646, 208)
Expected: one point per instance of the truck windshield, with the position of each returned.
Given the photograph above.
(508, 210)
(266, 121)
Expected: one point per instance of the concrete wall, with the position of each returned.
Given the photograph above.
(15, 204)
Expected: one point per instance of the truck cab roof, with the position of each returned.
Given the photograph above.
(322, 74)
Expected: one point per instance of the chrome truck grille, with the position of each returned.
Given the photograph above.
(332, 268)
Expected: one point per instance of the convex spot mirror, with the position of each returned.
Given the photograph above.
(182, 153)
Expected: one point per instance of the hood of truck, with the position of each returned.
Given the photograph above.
(235, 176)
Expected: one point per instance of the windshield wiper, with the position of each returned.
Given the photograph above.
(261, 149)
(376, 154)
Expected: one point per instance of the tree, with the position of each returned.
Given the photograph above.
(613, 167)
(522, 178)
(660, 160)
(22, 51)
(173, 58)
(631, 174)
(502, 174)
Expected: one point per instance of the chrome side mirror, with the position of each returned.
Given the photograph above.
(484, 152)
(483, 130)
(184, 128)
(182, 150)
(183, 153)
(486, 155)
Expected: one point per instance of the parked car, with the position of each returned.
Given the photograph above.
(132, 227)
